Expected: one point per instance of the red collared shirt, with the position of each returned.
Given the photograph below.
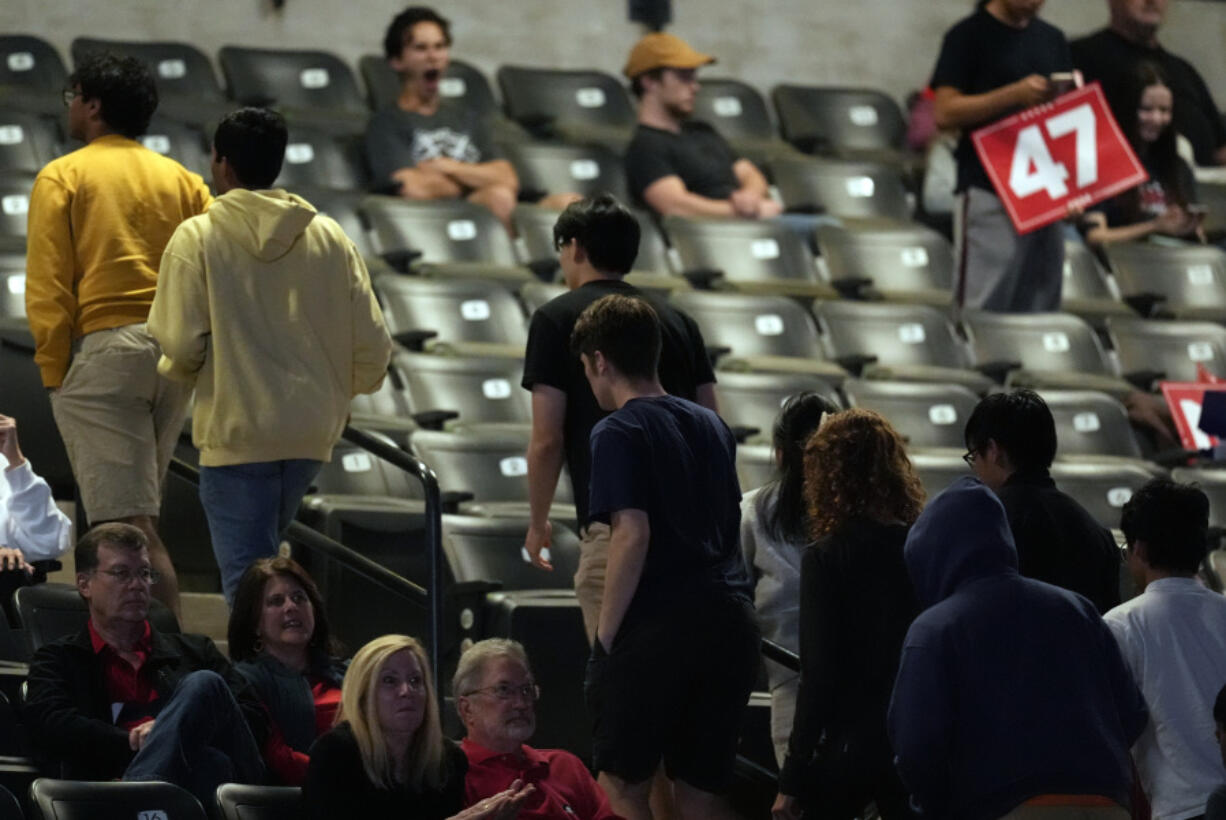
(565, 789)
(129, 689)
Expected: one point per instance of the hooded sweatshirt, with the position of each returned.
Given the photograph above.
(1008, 688)
(266, 305)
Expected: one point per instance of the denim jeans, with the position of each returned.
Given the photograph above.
(199, 741)
(248, 507)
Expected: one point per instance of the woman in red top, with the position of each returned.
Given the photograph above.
(280, 641)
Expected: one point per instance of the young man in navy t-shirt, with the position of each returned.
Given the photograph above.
(676, 649)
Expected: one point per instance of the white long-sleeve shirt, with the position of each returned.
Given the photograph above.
(1173, 637)
(29, 519)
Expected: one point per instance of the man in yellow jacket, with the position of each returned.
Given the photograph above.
(265, 305)
(99, 219)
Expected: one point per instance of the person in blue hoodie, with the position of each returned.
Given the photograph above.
(1012, 697)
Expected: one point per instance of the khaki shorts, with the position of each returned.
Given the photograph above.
(589, 577)
(119, 420)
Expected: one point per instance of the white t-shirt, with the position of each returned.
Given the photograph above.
(29, 519)
(1173, 637)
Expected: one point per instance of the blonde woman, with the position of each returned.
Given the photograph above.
(386, 756)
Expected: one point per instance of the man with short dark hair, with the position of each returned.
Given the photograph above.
(426, 146)
(1112, 56)
(496, 698)
(676, 648)
(1011, 442)
(99, 219)
(1173, 636)
(597, 241)
(123, 699)
(677, 165)
(266, 308)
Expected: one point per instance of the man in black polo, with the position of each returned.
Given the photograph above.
(597, 241)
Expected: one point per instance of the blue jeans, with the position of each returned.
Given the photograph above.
(805, 225)
(248, 507)
(199, 740)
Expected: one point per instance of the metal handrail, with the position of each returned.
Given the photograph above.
(780, 655)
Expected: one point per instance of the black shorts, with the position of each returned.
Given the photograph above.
(675, 688)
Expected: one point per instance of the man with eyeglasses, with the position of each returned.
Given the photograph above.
(496, 698)
(99, 220)
(122, 699)
(676, 165)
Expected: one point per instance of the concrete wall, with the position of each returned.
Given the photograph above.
(890, 44)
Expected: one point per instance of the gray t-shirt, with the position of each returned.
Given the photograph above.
(398, 139)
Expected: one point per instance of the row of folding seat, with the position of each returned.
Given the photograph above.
(586, 105)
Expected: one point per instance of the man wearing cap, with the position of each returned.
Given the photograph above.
(676, 165)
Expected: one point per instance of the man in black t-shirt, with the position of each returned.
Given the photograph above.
(1112, 56)
(992, 64)
(676, 651)
(597, 242)
(675, 165)
(426, 147)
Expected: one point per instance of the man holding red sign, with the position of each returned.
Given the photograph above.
(996, 62)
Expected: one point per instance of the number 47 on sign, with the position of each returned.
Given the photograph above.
(1066, 152)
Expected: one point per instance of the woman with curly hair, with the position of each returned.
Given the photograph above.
(856, 603)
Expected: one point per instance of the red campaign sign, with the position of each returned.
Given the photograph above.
(1067, 151)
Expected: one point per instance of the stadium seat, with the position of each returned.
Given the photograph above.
(466, 315)
(890, 341)
(1042, 350)
(81, 800)
(10, 807)
(317, 157)
(405, 232)
(929, 416)
(489, 463)
(343, 206)
(550, 627)
(490, 550)
(755, 465)
(14, 206)
(477, 389)
(12, 286)
(48, 612)
(582, 107)
(1088, 290)
(545, 168)
(27, 141)
(740, 114)
(386, 411)
(314, 84)
(652, 269)
(180, 142)
(830, 120)
(23, 398)
(749, 402)
(1212, 481)
(1213, 196)
(463, 82)
(1090, 423)
(188, 90)
(764, 333)
(1150, 350)
(748, 255)
(32, 74)
(353, 471)
(535, 294)
(937, 470)
(1185, 282)
(844, 188)
(1103, 489)
(907, 263)
(238, 801)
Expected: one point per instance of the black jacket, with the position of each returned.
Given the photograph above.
(1058, 541)
(69, 717)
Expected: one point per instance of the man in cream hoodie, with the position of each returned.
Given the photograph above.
(266, 306)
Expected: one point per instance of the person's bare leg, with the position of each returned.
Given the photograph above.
(500, 200)
(630, 800)
(558, 202)
(166, 589)
(419, 184)
(663, 804)
(696, 804)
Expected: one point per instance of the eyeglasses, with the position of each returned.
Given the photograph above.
(68, 95)
(969, 457)
(123, 576)
(504, 691)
